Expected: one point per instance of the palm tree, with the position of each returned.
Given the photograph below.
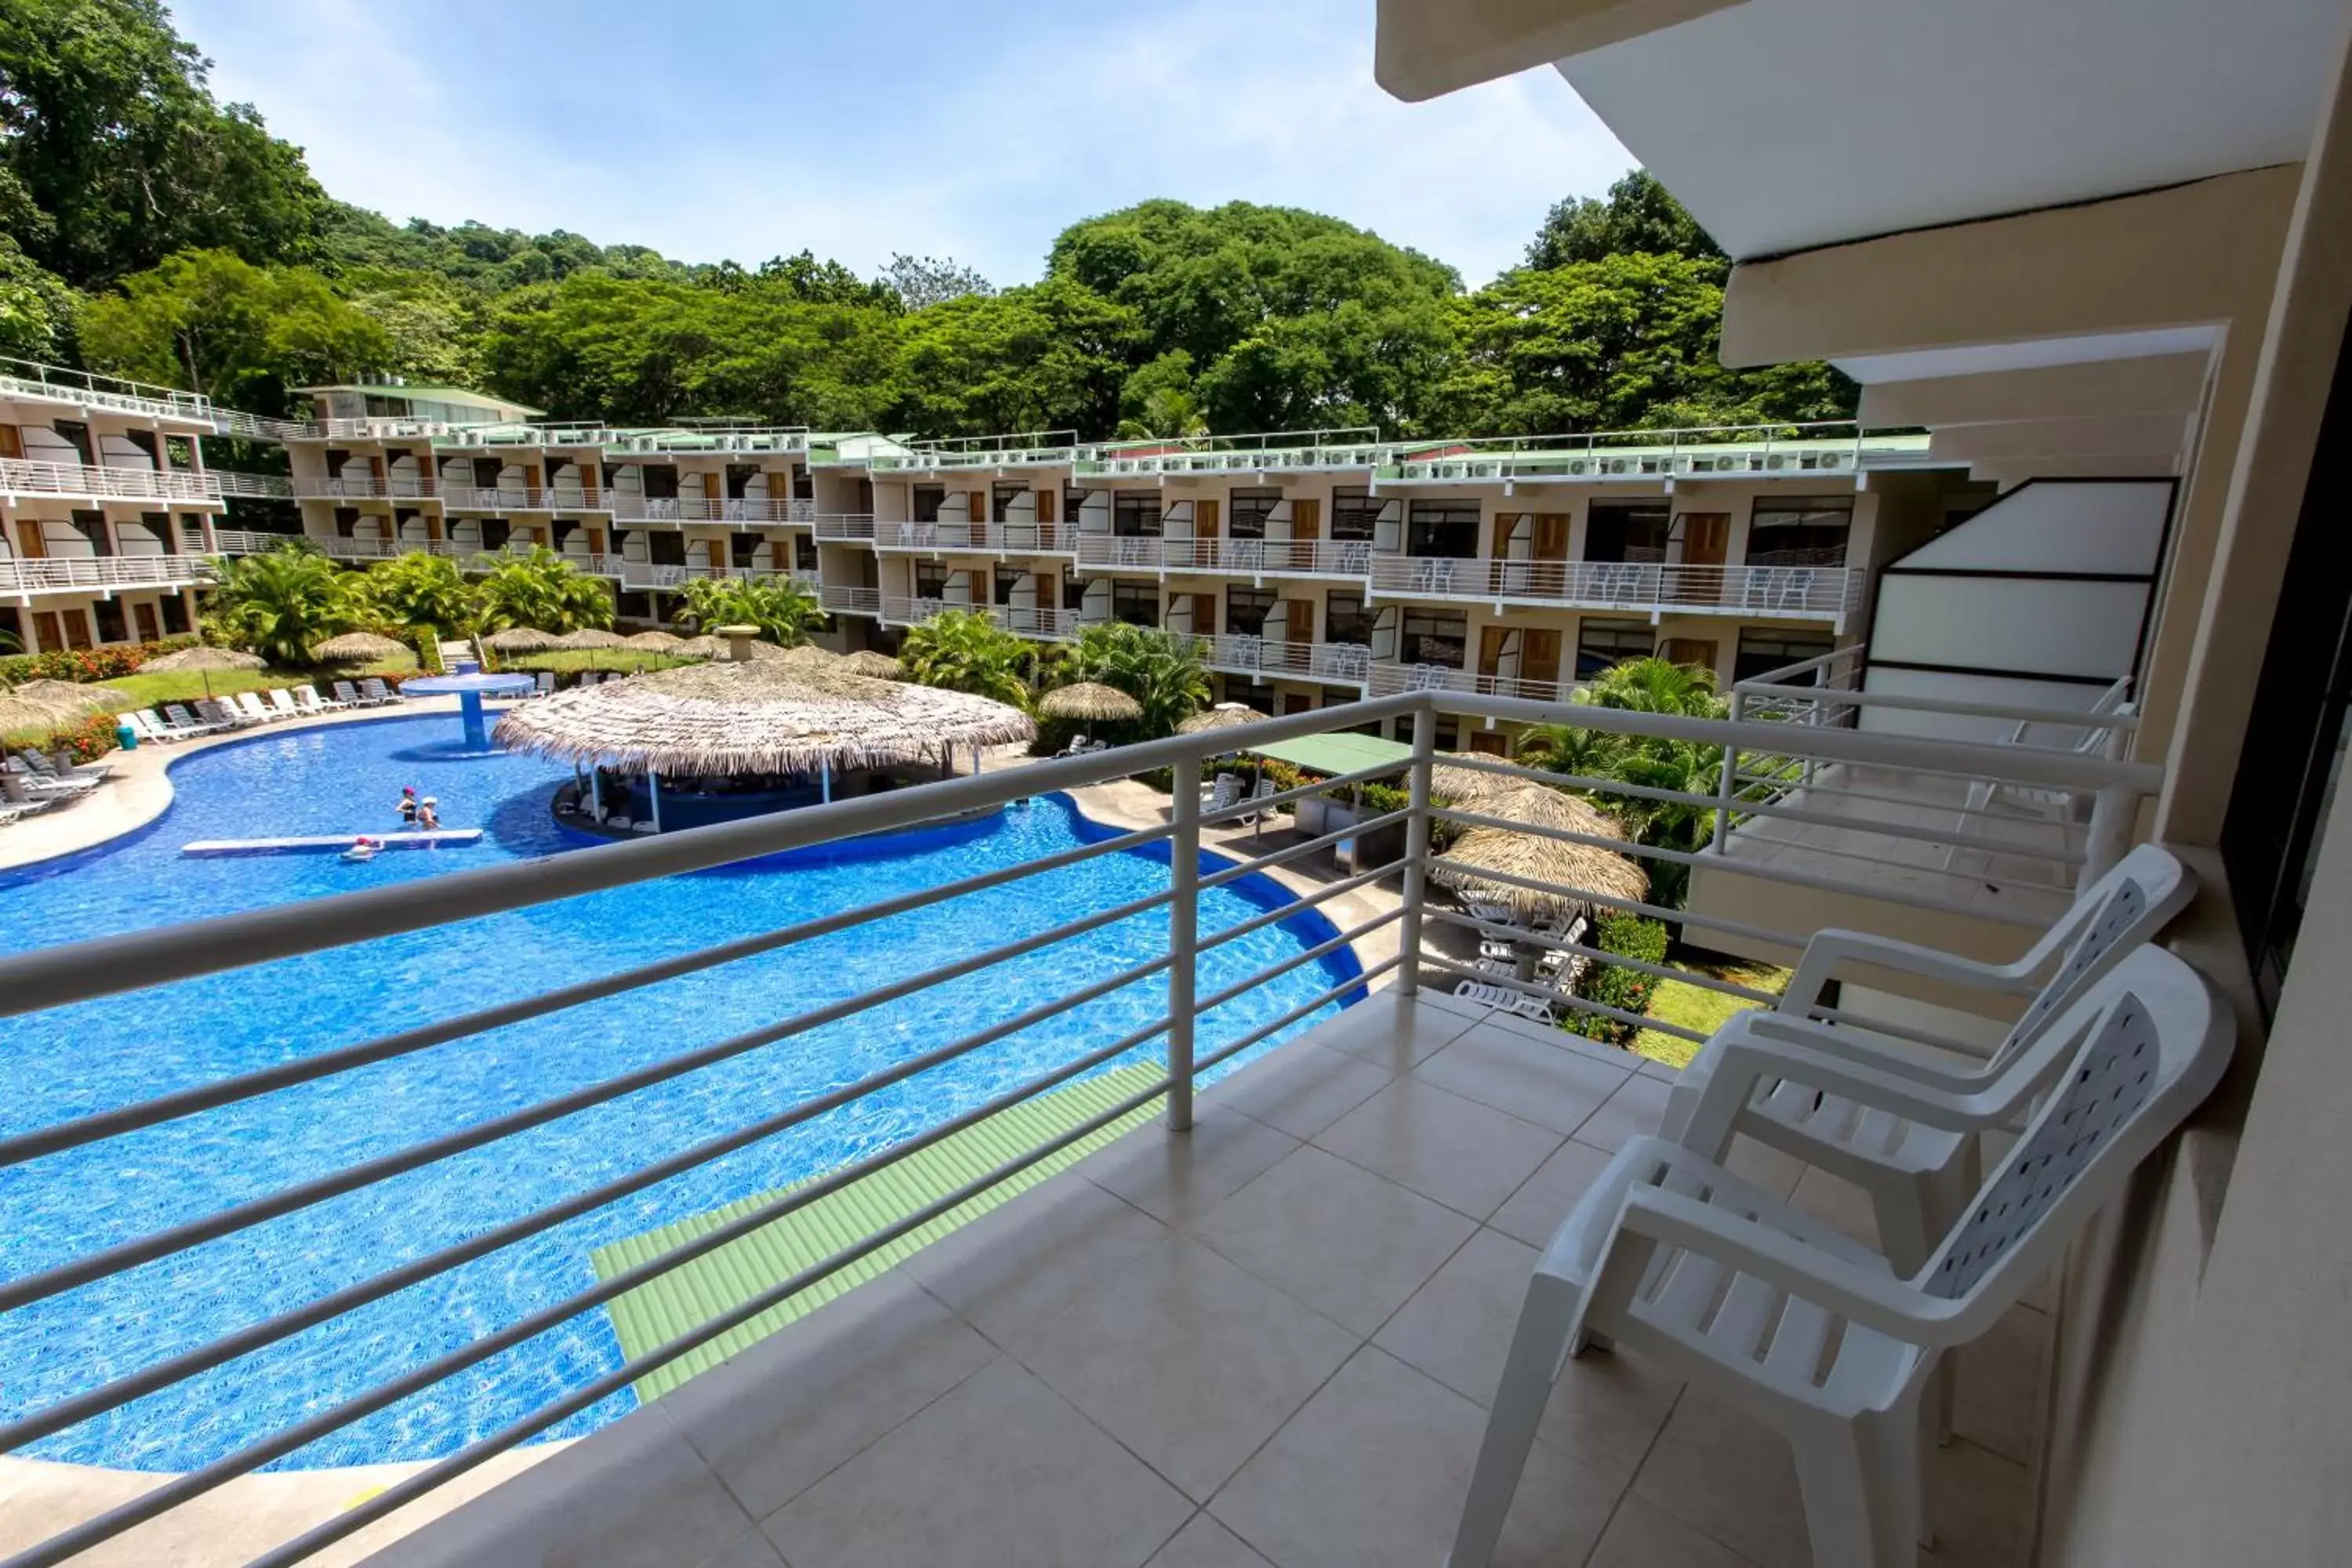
(785, 611)
(963, 650)
(1163, 674)
(541, 590)
(281, 604)
(1655, 686)
(420, 591)
(1170, 412)
(1566, 748)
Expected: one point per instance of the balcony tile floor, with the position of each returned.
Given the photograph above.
(1269, 1344)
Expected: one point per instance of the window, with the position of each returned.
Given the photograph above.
(1443, 528)
(1602, 644)
(12, 624)
(659, 479)
(1346, 618)
(1354, 513)
(1800, 531)
(1137, 604)
(1246, 610)
(496, 531)
(1008, 578)
(927, 502)
(803, 485)
(347, 518)
(1434, 636)
(112, 626)
(804, 551)
(176, 615)
(1446, 733)
(1627, 531)
(1135, 514)
(1247, 510)
(91, 525)
(930, 580)
(633, 605)
(1251, 693)
(738, 479)
(1763, 650)
(1074, 501)
(1002, 498)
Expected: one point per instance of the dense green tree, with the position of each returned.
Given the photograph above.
(541, 589)
(1639, 216)
(1162, 673)
(1051, 356)
(416, 590)
(785, 611)
(919, 282)
(38, 307)
(210, 322)
(965, 650)
(280, 604)
(118, 156)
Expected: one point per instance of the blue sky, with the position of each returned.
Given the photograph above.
(713, 129)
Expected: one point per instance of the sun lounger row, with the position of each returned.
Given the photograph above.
(31, 782)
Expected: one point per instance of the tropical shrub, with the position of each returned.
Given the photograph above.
(963, 650)
(417, 597)
(85, 740)
(103, 663)
(1613, 986)
(541, 590)
(283, 602)
(785, 611)
(1162, 673)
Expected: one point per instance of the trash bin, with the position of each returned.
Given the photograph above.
(126, 737)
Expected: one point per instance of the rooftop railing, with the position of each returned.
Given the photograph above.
(29, 378)
(20, 477)
(1169, 1022)
(1838, 448)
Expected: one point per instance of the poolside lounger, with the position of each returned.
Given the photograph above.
(223, 713)
(306, 701)
(185, 725)
(347, 695)
(1504, 999)
(376, 694)
(546, 687)
(38, 784)
(249, 703)
(47, 766)
(281, 702)
(1224, 792)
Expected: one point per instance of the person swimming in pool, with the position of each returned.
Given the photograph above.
(408, 806)
(362, 850)
(428, 814)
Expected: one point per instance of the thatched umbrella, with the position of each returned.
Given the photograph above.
(66, 695)
(1449, 779)
(1572, 866)
(704, 647)
(1223, 716)
(26, 715)
(201, 657)
(358, 647)
(591, 637)
(807, 656)
(655, 641)
(1091, 702)
(521, 639)
(758, 716)
(880, 666)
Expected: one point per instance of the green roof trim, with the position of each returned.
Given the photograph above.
(463, 396)
(1337, 754)
(695, 1292)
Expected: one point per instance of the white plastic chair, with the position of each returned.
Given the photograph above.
(1758, 1304)
(544, 683)
(1508, 999)
(250, 705)
(282, 703)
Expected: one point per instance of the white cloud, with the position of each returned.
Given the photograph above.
(748, 138)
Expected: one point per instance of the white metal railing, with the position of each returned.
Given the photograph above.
(1028, 621)
(28, 378)
(390, 427)
(985, 538)
(236, 422)
(364, 488)
(54, 574)
(1837, 448)
(1177, 1033)
(1386, 679)
(1272, 557)
(848, 601)
(251, 486)
(526, 497)
(385, 549)
(844, 527)
(1812, 593)
(1345, 664)
(800, 512)
(21, 477)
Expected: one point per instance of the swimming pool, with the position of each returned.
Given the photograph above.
(347, 778)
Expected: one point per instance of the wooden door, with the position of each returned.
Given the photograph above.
(1698, 653)
(1550, 536)
(1204, 520)
(1706, 540)
(975, 507)
(144, 617)
(1495, 644)
(76, 628)
(1044, 506)
(32, 542)
(1301, 619)
(1539, 656)
(1297, 703)
(48, 632)
(1306, 520)
(12, 444)
(1489, 743)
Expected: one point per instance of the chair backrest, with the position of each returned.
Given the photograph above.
(2137, 1056)
(2119, 912)
(372, 687)
(148, 722)
(345, 691)
(283, 701)
(546, 681)
(179, 715)
(1265, 788)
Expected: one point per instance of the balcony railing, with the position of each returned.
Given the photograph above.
(1046, 624)
(525, 498)
(27, 378)
(1345, 664)
(1253, 557)
(54, 574)
(1454, 685)
(977, 538)
(1809, 592)
(366, 488)
(21, 477)
(251, 486)
(844, 527)
(843, 601)
(701, 509)
(671, 577)
(1164, 1020)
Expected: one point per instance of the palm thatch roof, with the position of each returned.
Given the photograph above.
(592, 637)
(1449, 779)
(358, 647)
(207, 659)
(70, 696)
(807, 656)
(23, 714)
(868, 661)
(521, 639)
(1091, 701)
(762, 716)
(1574, 867)
(1223, 716)
(704, 647)
(655, 641)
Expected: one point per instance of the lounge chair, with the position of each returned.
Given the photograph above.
(546, 683)
(50, 767)
(346, 694)
(376, 694)
(1265, 788)
(281, 702)
(249, 703)
(1078, 747)
(307, 702)
(1223, 794)
(185, 725)
(38, 782)
(1507, 999)
(1772, 1312)
(226, 715)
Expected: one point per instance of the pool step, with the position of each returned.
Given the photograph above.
(437, 838)
(693, 1293)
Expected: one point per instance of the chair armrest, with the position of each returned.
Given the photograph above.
(1745, 1060)
(1850, 1044)
(1874, 1297)
(1830, 949)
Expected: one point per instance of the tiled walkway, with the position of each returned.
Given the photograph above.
(1269, 1342)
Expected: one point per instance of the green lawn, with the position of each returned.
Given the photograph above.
(1696, 1008)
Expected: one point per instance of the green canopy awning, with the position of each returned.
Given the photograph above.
(1337, 754)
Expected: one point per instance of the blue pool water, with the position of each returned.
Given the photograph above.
(71, 1061)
